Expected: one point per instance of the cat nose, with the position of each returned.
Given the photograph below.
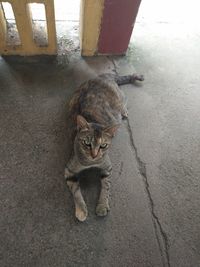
(94, 153)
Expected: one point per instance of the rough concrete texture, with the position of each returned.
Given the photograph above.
(155, 217)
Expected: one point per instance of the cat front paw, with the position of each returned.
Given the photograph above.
(81, 213)
(102, 209)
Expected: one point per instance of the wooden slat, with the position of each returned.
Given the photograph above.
(51, 29)
(24, 24)
(25, 29)
(90, 24)
(3, 28)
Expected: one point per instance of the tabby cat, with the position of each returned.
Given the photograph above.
(97, 108)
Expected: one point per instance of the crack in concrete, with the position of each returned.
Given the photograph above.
(161, 236)
(163, 241)
(121, 168)
(114, 65)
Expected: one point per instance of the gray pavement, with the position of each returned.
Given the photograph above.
(38, 227)
(155, 217)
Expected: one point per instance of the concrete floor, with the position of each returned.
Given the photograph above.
(155, 216)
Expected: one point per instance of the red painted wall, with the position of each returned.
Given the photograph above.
(117, 25)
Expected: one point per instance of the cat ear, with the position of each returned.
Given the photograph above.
(81, 123)
(112, 130)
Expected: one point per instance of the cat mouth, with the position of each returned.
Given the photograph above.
(95, 158)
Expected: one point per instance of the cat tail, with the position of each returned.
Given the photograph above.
(120, 80)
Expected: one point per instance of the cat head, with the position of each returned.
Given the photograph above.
(92, 139)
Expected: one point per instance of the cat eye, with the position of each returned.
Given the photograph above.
(86, 142)
(103, 145)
